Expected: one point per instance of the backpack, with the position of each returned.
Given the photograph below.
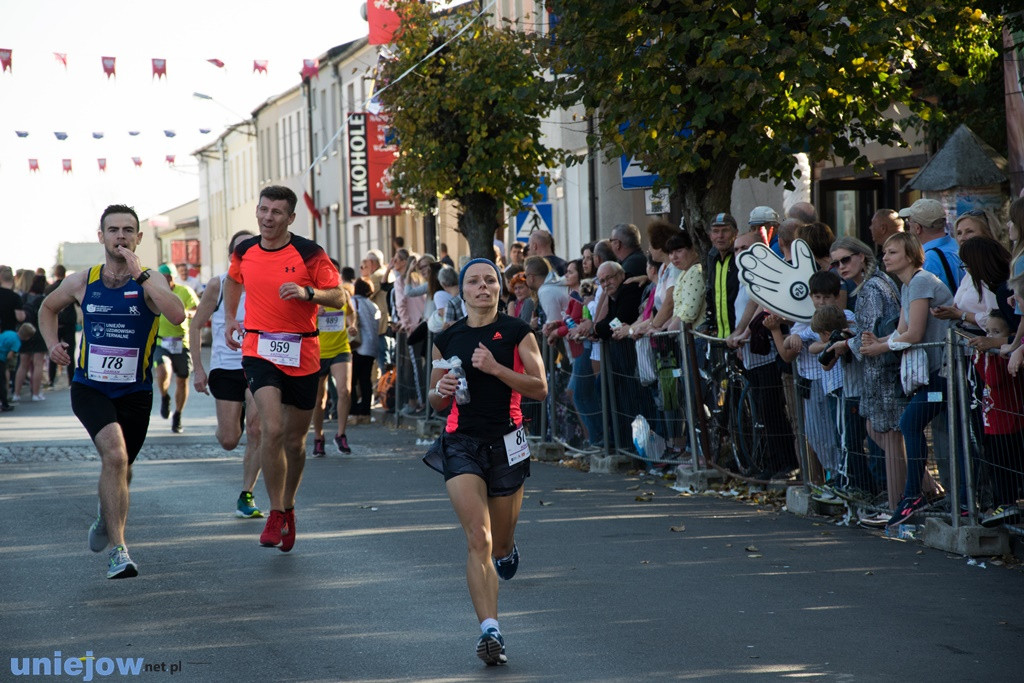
(386, 390)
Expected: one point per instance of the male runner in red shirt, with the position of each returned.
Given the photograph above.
(285, 277)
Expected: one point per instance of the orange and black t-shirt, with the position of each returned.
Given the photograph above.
(262, 272)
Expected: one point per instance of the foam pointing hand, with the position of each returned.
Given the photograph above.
(779, 286)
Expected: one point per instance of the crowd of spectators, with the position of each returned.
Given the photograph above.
(875, 424)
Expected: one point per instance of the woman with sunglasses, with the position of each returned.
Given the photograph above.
(871, 387)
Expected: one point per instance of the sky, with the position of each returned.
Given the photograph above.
(42, 209)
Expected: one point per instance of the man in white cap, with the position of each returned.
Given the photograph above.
(767, 219)
(926, 219)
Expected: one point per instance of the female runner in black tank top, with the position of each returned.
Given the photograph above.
(502, 362)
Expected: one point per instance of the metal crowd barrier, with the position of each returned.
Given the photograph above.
(742, 419)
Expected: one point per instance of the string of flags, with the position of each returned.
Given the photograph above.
(158, 65)
(99, 135)
(101, 163)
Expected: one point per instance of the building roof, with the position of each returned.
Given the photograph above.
(965, 160)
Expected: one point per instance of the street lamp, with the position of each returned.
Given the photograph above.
(247, 120)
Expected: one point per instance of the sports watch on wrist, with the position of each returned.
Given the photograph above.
(143, 276)
(309, 293)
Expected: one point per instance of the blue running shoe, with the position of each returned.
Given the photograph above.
(246, 508)
(121, 566)
(507, 566)
(98, 532)
(491, 648)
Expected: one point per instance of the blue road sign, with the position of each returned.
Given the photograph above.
(634, 175)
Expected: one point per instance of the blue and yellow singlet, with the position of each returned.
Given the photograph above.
(118, 333)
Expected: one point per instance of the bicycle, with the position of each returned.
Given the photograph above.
(729, 425)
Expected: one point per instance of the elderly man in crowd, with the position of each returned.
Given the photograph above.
(622, 310)
(884, 224)
(625, 243)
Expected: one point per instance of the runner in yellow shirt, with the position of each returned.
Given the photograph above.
(335, 360)
(172, 351)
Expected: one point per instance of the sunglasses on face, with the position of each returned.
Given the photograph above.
(842, 262)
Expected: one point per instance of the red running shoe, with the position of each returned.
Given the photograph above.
(288, 531)
(274, 530)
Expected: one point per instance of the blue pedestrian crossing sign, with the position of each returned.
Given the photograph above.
(634, 175)
(533, 217)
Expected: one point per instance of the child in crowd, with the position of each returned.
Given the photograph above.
(1003, 418)
(833, 325)
(803, 344)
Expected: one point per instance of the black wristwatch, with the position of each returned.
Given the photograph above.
(143, 276)
(309, 293)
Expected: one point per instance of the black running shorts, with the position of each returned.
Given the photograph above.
(181, 363)
(298, 392)
(95, 410)
(488, 460)
(326, 363)
(227, 385)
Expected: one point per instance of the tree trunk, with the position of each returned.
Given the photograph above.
(704, 194)
(478, 221)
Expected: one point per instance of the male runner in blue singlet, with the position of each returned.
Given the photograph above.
(112, 390)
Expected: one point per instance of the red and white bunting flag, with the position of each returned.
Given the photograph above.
(62, 57)
(108, 66)
(33, 164)
(259, 65)
(310, 68)
(383, 21)
(5, 60)
(216, 62)
(102, 163)
(169, 159)
(159, 68)
(137, 161)
(66, 164)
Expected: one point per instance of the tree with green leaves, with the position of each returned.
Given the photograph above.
(714, 89)
(468, 118)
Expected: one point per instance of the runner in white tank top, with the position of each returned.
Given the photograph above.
(226, 382)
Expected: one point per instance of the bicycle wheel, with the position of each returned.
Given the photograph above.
(743, 427)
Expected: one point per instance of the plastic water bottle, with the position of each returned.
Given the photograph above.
(462, 393)
(569, 322)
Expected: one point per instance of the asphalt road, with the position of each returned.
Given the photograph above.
(374, 589)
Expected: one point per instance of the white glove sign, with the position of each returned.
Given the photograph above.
(779, 286)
